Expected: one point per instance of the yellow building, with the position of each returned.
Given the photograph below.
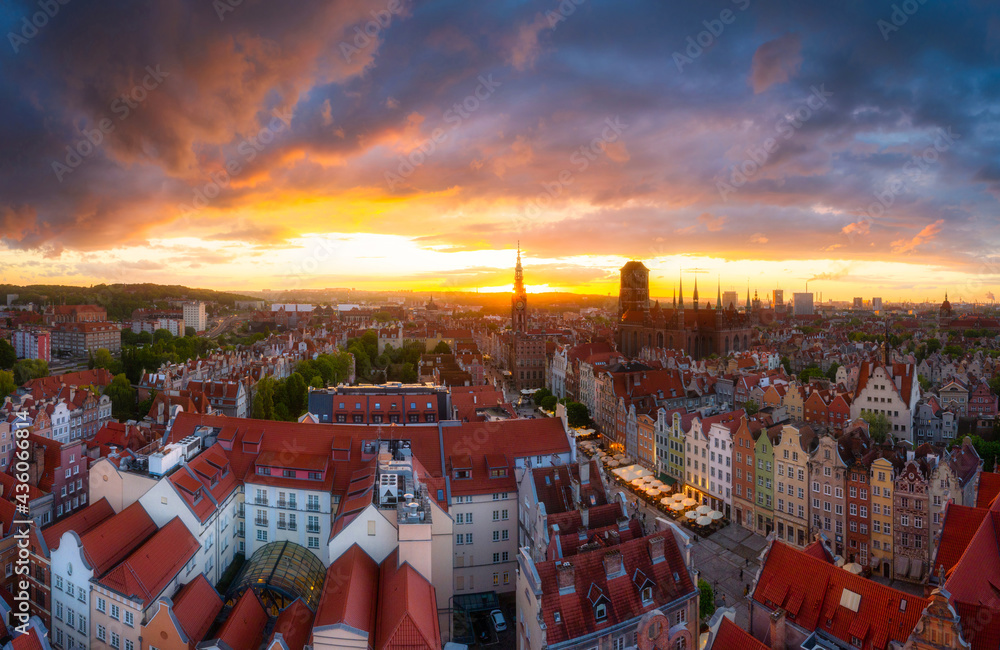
(882, 473)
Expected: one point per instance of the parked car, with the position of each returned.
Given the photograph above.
(498, 621)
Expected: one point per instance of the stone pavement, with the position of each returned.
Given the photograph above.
(720, 558)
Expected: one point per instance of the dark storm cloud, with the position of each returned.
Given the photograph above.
(558, 78)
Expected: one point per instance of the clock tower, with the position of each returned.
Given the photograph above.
(519, 299)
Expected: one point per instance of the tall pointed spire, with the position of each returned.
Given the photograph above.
(680, 298)
(675, 297)
(748, 296)
(718, 297)
(695, 299)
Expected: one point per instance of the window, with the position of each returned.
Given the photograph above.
(102, 605)
(601, 612)
(115, 612)
(116, 640)
(129, 645)
(261, 535)
(102, 633)
(313, 542)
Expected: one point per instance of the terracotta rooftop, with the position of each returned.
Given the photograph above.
(732, 637)
(80, 522)
(195, 606)
(111, 541)
(149, 569)
(407, 611)
(294, 624)
(245, 626)
(350, 592)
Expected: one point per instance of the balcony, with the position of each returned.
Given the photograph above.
(260, 521)
(312, 507)
(260, 501)
(312, 529)
(292, 525)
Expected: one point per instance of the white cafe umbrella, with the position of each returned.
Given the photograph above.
(853, 567)
(703, 510)
(715, 514)
(637, 482)
(691, 515)
(667, 501)
(703, 520)
(688, 502)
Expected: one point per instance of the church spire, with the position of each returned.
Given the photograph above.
(695, 292)
(675, 297)
(680, 300)
(718, 297)
(748, 296)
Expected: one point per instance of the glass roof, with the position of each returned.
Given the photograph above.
(285, 569)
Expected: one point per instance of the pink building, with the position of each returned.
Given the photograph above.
(982, 402)
(32, 344)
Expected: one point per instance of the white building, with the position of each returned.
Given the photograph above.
(32, 344)
(173, 325)
(720, 458)
(892, 390)
(194, 315)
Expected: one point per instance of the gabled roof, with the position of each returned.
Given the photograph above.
(294, 624)
(732, 637)
(195, 606)
(80, 522)
(989, 488)
(350, 593)
(812, 592)
(149, 569)
(245, 626)
(407, 612)
(959, 526)
(111, 541)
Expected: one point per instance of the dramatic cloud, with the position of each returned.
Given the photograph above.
(461, 128)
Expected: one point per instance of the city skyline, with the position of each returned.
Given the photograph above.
(317, 149)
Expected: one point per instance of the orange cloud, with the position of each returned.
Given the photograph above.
(930, 231)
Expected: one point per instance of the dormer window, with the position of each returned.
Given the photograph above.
(647, 595)
(601, 612)
(558, 617)
(463, 473)
(288, 473)
(264, 471)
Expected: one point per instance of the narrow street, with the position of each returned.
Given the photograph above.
(720, 558)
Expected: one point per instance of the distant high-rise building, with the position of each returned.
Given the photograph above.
(859, 303)
(803, 304)
(32, 344)
(877, 304)
(778, 298)
(730, 299)
(194, 316)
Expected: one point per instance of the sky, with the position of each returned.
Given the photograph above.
(377, 144)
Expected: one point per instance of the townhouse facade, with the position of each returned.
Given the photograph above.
(793, 448)
(882, 480)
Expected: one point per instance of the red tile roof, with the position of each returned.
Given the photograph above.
(148, 570)
(111, 541)
(732, 637)
(80, 522)
(407, 612)
(28, 641)
(294, 624)
(621, 593)
(245, 626)
(974, 582)
(810, 591)
(989, 488)
(195, 607)
(350, 592)
(959, 526)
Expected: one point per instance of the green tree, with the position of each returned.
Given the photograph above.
(7, 384)
(577, 414)
(810, 372)
(953, 350)
(162, 336)
(925, 383)
(103, 358)
(263, 399)
(316, 382)
(144, 338)
(994, 383)
(831, 372)
(706, 601)
(8, 357)
(751, 407)
(28, 369)
(549, 402)
(441, 348)
(878, 425)
(786, 363)
(142, 409)
(122, 397)
(539, 395)
(933, 345)
(190, 331)
(296, 394)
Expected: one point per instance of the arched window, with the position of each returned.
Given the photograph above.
(659, 339)
(681, 644)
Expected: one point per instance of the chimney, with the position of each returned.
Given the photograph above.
(585, 472)
(613, 566)
(623, 523)
(565, 578)
(778, 629)
(656, 549)
(585, 517)
(582, 533)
